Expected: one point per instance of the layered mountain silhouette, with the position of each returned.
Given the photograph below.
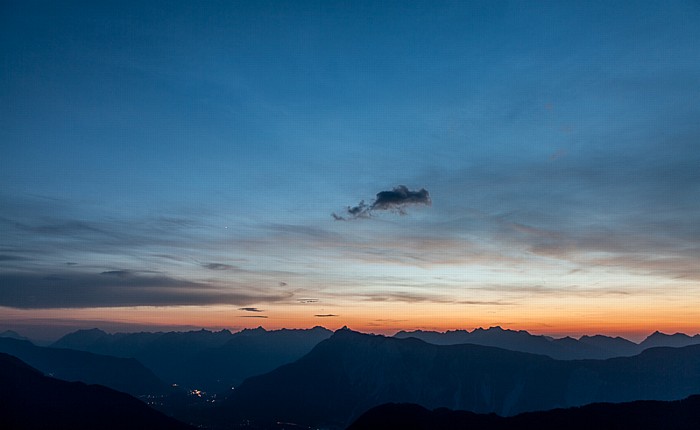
(346, 375)
(211, 361)
(254, 352)
(639, 415)
(29, 400)
(122, 374)
(567, 348)
(12, 335)
(676, 340)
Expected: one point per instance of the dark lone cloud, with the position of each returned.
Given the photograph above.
(325, 315)
(253, 316)
(250, 309)
(308, 300)
(395, 200)
(400, 196)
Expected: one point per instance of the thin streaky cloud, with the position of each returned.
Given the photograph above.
(86, 290)
(219, 266)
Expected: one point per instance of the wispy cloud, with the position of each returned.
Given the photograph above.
(250, 309)
(485, 302)
(4, 257)
(118, 273)
(219, 266)
(404, 297)
(120, 288)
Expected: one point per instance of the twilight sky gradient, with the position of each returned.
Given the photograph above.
(178, 164)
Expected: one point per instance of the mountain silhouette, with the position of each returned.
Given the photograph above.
(253, 352)
(13, 335)
(351, 372)
(640, 415)
(121, 374)
(206, 360)
(618, 346)
(675, 340)
(29, 400)
(567, 348)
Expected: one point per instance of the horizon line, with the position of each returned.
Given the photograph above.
(385, 333)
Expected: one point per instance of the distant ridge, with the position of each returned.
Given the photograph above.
(567, 348)
(11, 334)
(675, 340)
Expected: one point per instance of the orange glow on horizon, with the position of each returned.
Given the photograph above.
(634, 324)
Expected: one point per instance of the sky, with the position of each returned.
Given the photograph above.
(387, 166)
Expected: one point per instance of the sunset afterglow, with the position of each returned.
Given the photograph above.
(242, 164)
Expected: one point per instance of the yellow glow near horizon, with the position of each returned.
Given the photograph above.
(630, 317)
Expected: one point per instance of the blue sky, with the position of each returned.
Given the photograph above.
(190, 155)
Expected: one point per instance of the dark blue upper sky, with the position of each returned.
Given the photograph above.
(192, 153)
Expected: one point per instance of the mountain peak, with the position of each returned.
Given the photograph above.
(258, 330)
(660, 335)
(345, 333)
(91, 332)
(81, 337)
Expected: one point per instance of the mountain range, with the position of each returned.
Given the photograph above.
(29, 400)
(318, 378)
(205, 360)
(567, 348)
(349, 373)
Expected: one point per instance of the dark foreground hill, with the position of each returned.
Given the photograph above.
(350, 373)
(29, 400)
(639, 415)
(206, 360)
(121, 374)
